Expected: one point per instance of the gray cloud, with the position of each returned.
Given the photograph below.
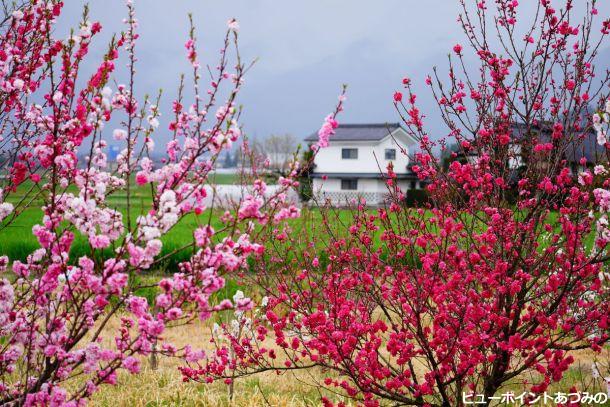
(306, 50)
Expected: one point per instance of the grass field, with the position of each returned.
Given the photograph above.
(17, 241)
(163, 387)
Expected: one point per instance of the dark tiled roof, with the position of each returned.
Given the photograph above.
(582, 145)
(359, 132)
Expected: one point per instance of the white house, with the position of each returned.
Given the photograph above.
(354, 163)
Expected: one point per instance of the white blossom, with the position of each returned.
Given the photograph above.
(58, 96)
(153, 121)
(119, 134)
(5, 210)
(233, 25)
(18, 84)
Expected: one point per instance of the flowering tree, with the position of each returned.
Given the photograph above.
(494, 284)
(54, 308)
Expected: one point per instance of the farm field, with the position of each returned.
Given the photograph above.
(163, 387)
(17, 240)
(156, 248)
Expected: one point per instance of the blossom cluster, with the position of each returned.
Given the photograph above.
(55, 308)
(497, 278)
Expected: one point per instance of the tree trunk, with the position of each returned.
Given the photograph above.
(154, 360)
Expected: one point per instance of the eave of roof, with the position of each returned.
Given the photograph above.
(583, 145)
(366, 175)
(359, 132)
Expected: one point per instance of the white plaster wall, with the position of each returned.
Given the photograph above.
(370, 158)
(364, 185)
(334, 185)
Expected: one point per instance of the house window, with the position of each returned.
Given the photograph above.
(349, 153)
(349, 184)
(413, 184)
(390, 153)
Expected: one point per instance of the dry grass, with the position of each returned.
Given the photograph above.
(164, 387)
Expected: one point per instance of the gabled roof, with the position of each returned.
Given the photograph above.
(582, 145)
(359, 132)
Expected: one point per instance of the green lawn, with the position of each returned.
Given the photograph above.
(233, 179)
(224, 179)
(17, 240)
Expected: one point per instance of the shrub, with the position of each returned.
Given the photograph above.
(57, 301)
(475, 295)
(417, 198)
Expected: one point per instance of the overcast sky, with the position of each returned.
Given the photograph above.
(306, 50)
